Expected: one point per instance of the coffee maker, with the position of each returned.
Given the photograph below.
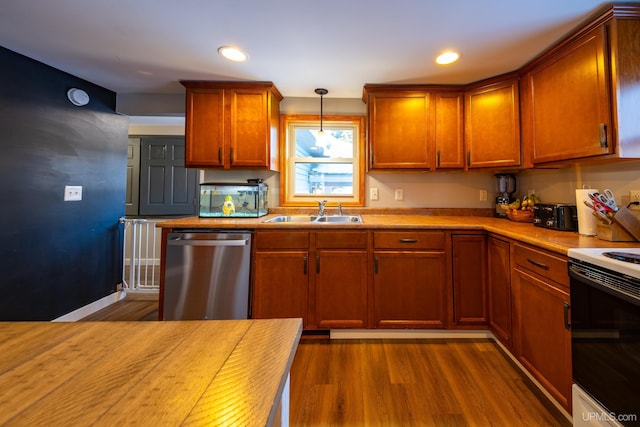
(506, 187)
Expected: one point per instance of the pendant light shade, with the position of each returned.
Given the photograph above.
(322, 93)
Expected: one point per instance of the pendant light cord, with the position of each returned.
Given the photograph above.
(322, 93)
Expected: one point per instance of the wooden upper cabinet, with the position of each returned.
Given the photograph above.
(231, 124)
(569, 102)
(492, 125)
(580, 99)
(398, 131)
(414, 127)
(449, 130)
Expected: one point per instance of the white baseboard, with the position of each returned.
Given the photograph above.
(405, 333)
(88, 309)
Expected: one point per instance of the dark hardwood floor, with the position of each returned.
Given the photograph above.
(385, 382)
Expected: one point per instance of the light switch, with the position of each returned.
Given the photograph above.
(399, 194)
(483, 195)
(373, 194)
(72, 193)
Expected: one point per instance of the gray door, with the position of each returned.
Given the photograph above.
(166, 186)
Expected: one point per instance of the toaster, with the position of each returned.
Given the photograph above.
(557, 216)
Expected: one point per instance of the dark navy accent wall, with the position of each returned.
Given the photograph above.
(57, 256)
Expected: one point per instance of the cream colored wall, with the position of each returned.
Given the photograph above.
(559, 185)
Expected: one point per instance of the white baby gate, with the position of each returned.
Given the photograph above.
(141, 254)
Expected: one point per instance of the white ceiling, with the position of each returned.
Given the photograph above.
(147, 46)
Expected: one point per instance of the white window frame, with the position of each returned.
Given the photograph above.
(288, 160)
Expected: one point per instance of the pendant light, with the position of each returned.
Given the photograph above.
(321, 92)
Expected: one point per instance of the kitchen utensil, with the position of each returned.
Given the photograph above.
(607, 199)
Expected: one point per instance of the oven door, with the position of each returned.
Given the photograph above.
(605, 339)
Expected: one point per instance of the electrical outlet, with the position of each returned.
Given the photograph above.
(634, 195)
(483, 195)
(399, 194)
(72, 193)
(373, 194)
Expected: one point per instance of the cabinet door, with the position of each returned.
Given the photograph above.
(409, 290)
(569, 108)
(492, 125)
(542, 339)
(499, 289)
(469, 280)
(340, 289)
(204, 125)
(280, 286)
(398, 131)
(249, 132)
(448, 129)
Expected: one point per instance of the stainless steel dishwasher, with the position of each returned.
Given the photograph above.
(207, 275)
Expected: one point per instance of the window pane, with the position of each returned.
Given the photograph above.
(331, 179)
(335, 143)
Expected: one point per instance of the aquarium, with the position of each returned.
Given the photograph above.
(229, 200)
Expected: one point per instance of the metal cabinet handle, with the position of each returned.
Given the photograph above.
(567, 307)
(318, 264)
(438, 158)
(375, 264)
(220, 155)
(603, 135)
(538, 264)
(231, 155)
(468, 158)
(304, 265)
(408, 240)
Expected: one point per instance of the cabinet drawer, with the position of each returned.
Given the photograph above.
(341, 240)
(541, 262)
(408, 240)
(281, 240)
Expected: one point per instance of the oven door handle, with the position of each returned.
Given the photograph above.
(566, 308)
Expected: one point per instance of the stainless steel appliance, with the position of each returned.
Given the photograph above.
(557, 216)
(605, 336)
(505, 187)
(207, 275)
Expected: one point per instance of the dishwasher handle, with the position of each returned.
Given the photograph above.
(188, 242)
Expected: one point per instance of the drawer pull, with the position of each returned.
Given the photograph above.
(304, 265)
(408, 240)
(538, 264)
(220, 155)
(567, 307)
(318, 264)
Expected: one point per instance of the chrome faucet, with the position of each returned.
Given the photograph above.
(340, 209)
(321, 207)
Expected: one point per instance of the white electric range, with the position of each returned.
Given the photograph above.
(605, 336)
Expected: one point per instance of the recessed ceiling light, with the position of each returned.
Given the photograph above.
(232, 53)
(447, 57)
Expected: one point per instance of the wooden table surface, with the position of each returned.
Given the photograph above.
(226, 372)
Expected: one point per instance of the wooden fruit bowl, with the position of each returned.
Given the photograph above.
(518, 215)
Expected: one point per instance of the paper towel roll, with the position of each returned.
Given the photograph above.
(587, 222)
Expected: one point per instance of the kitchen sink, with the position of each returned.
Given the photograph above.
(293, 218)
(339, 219)
(325, 219)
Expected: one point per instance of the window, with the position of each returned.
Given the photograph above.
(322, 167)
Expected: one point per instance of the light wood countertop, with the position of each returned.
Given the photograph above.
(229, 372)
(552, 240)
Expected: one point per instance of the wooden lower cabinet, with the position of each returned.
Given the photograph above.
(409, 290)
(542, 340)
(340, 289)
(281, 285)
(499, 289)
(469, 280)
